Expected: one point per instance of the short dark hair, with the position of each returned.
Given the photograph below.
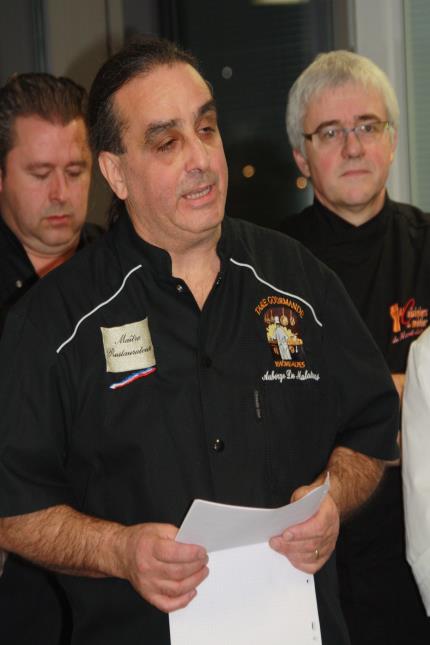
(55, 99)
(135, 59)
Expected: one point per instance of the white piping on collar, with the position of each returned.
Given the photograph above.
(102, 304)
(285, 293)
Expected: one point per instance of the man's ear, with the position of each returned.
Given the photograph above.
(302, 163)
(111, 169)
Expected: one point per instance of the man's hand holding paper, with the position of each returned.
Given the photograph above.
(163, 571)
(309, 545)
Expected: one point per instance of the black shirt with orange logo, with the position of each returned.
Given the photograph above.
(138, 402)
(385, 266)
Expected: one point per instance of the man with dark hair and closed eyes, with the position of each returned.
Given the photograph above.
(45, 170)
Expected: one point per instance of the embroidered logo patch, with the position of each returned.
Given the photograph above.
(128, 347)
(408, 320)
(282, 322)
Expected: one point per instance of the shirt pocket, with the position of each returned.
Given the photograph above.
(297, 444)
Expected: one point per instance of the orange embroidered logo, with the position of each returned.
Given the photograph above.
(408, 320)
(282, 318)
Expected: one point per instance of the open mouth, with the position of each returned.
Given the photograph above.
(198, 194)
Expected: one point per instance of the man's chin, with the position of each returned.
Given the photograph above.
(200, 221)
(61, 238)
(358, 198)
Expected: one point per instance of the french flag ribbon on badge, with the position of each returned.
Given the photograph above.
(133, 377)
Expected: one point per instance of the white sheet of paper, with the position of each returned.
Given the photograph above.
(252, 595)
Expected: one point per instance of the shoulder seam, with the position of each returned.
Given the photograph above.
(102, 304)
(285, 293)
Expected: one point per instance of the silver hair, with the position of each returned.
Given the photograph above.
(330, 70)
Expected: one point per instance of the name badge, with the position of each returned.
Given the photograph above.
(128, 347)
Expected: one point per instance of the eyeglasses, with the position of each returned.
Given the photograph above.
(331, 136)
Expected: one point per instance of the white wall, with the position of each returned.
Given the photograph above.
(417, 29)
(79, 36)
(380, 36)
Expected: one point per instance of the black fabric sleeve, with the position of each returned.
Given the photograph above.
(367, 404)
(33, 426)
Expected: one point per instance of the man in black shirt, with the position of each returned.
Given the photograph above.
(45, 170)
(155, 353)
(342, 121)
(45, 167)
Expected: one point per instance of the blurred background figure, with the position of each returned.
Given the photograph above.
(342, 121)
(45, 171)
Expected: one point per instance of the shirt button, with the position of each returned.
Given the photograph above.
(218, 281)
(179, 288)
(206, 361)
(218, 445)
(18, 284)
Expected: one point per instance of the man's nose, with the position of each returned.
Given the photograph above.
(58, 187)
(352, 145)
(197, 155)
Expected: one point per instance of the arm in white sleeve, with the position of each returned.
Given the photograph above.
(416, 463)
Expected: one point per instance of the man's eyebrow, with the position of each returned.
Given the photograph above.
(326, 124)
(159, 127)
(209, 106)
(368, 117)
(357, 118)
(39, 165)
(82, 163)
(42, 165)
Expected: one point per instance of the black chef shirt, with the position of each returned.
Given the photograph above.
(209, 408)
(385, 267)
(30, 612)
(17, 273)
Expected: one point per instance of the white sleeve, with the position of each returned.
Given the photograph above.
(416, 463)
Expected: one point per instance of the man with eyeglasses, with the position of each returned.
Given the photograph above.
(342, 120)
